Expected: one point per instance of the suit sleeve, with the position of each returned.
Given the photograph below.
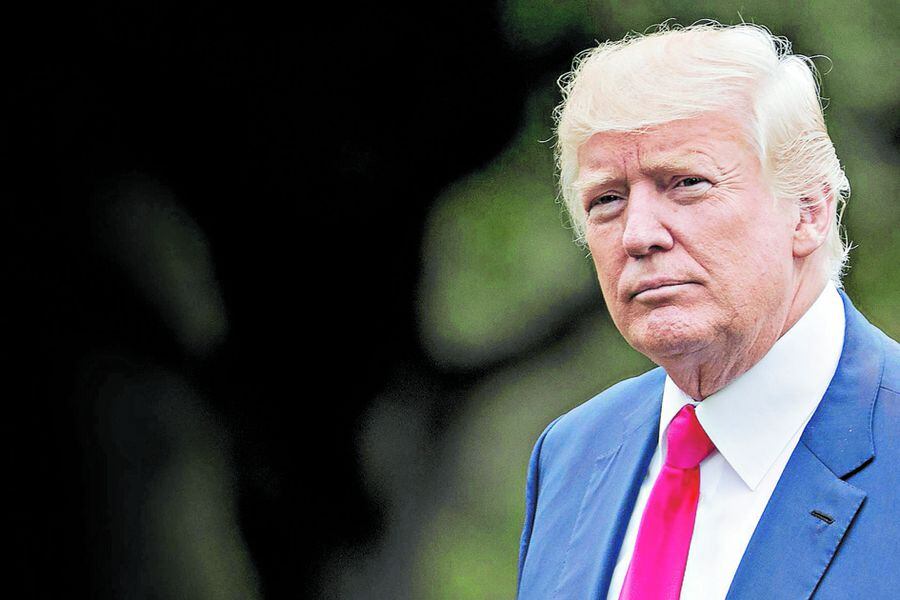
(532, 485)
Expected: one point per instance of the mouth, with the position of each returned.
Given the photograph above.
(658, 288)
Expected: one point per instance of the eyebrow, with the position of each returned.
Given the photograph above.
(680, 162)
(593, 181)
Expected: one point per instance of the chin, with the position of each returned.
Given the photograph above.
(669, 333)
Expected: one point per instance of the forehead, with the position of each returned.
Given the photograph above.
(711, 138)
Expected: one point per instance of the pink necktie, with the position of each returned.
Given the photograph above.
(664, 537)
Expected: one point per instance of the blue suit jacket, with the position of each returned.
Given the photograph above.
(588, 465)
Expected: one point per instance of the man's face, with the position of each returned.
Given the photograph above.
(693, 253)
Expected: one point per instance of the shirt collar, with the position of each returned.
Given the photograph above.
(753, 418)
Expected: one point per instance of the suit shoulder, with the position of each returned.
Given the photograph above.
(886, 415)
(891, 377)
(616, 400)
(602, 419)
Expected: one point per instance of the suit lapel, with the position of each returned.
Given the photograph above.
(608, 502)
(812, 506)
(791, 548)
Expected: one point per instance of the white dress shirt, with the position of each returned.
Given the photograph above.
(755, 422)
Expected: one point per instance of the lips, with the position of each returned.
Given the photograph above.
(655, 284)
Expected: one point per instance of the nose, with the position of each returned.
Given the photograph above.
(645, 230)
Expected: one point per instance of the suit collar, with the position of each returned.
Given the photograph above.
(840, 431)
(647, 407)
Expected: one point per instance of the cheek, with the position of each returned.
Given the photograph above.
(748, 263)
(608, 262)
(768, 243)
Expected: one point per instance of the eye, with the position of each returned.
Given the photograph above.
(690, 182)
(603, 200)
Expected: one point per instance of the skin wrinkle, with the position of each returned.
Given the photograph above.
(748, 266)
(680, 162)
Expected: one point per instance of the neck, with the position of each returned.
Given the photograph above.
(707, 371)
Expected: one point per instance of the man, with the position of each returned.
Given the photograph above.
(761, 459)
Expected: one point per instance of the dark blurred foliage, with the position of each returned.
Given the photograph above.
(304, 147)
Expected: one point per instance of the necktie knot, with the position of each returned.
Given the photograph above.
(687, 443)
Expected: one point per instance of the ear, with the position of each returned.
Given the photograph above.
(814, 222)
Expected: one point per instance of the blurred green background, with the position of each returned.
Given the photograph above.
(505, 294)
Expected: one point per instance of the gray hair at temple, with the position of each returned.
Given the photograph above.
(679, 73)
